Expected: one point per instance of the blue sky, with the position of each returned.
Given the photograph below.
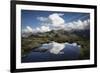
(29, 17)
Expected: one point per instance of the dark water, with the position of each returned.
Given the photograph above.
(70, 53)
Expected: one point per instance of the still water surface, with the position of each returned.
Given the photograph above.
(53, 52)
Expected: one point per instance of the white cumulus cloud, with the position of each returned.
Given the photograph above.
(42, 18)
(56, 21)
(42, 29)
(77, 25)
(28, 29)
